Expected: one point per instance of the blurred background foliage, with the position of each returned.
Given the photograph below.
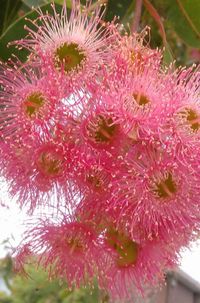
(35, 287)
(180, 19)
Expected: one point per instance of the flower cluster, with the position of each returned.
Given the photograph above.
(94, 127)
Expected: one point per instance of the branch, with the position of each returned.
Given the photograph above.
(137, 16)
(153, 12)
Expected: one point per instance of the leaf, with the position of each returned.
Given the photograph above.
(16, 31)
(8, 13)
(183, 16)
(117, 8)
(129, 14)
(36, 3)
(167, 56)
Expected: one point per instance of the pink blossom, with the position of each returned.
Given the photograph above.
(69, 47)
(70, 250)
(133, 52)
(94, 128)
(29, 101)
(157, 193)
(134, 264)
(34, 177)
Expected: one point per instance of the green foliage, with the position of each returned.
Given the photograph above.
(37, 288)
(5, 298)
(119, 8)
(8, 13)
(16, 31)
(36, 3)
(183, 15)
(6, 270)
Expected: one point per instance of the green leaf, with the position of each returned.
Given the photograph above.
(183, 16)
(16, 31)
(119, 8)
(36, 3)
(8, 13)
(127, 18)
(167, 56)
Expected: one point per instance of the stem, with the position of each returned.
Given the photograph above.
(137, 15)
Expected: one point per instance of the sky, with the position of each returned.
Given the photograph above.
(11, 226)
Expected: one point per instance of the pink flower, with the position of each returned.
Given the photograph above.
(28, 100)
(134, 264)
(137, 103)
(69, 48)
(134, 52)
(35, 177)
(70, 250)
(157, 193)
(182, 131)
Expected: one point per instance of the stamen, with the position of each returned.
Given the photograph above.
(136, 56)
(69, 57)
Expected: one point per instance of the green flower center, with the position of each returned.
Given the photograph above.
(141, 99)
(166, 187)
(50, 163)
(69, 57)
(103, 130)
(127, 250)
(33, 103)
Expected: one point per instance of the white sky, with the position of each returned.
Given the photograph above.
(11, 227)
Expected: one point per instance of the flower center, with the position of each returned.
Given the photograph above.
(166, 187)
(33, 103)
(103, 130)
(127, 250)
(94, 180)
(141, 99)
(193, 120)
(68, 57)
(50, 163)
(75, 245)
(97, 179)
